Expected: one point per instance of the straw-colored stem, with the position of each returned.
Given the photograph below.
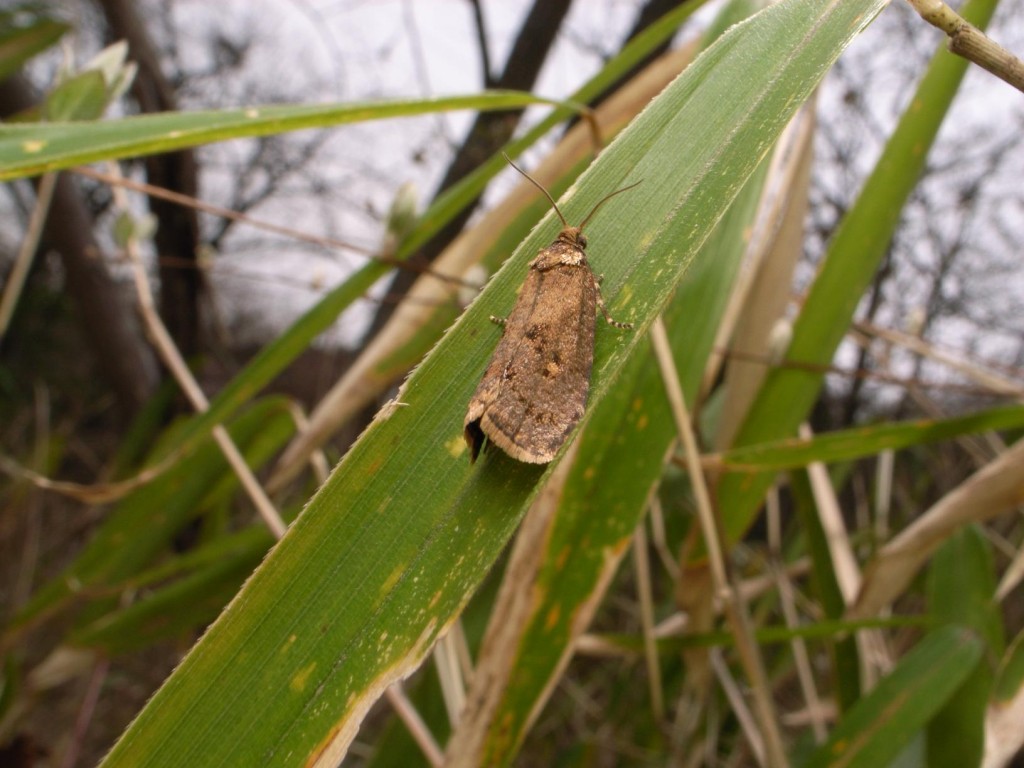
(732, 601)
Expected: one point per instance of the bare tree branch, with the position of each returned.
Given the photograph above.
(481, 38)
(971, 43)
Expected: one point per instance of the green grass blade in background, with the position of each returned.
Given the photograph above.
(183, 606)
(133, 534)
(19, 44)
(882, 723)
(961, 586)
(396, 541)
(848, 267)
(32, 149)
(849, 444)
(845, 668)
(278, 354)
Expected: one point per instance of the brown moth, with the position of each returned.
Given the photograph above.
(535, 387)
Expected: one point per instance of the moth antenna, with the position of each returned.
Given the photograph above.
(605, 200)
(538, 186)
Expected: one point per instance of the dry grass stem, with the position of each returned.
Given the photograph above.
(992, 381)
(844, 563)
(414, 724)
(801, 659)
(646, 601)
(739, 705)
(735, 608)
(660, 540)
(994, 489)
(449, 672)
(171, 357)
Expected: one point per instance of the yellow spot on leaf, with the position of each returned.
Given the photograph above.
(456, 446)
(642, 422)
(392, 579)
(563, 555)
(288, 644)
(31, 147)
(299, 680)
(252, 113)
(552, 618)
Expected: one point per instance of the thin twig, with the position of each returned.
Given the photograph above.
(481, 39)
(644, 593)
(116, 180)
(732, 601)
(876, 659)
(27, 251)
(992, 381)
(969, 42)
(86, 711)
(801, 658)
(738, 704)
(172, 358)
(660, 540)
(95, 493)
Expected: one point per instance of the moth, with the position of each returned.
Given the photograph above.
(534, 390)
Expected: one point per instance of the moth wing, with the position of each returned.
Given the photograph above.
(542, 366)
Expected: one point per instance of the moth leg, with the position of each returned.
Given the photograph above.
(601, 306)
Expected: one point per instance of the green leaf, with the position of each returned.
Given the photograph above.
(393, 545)
(856, 443)
(882, 723)
(961, 586)
(277, 355)
(18, 44)
(145, 522)
(31, 149)
(81, 98)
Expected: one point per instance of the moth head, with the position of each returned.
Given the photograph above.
(574, 237)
